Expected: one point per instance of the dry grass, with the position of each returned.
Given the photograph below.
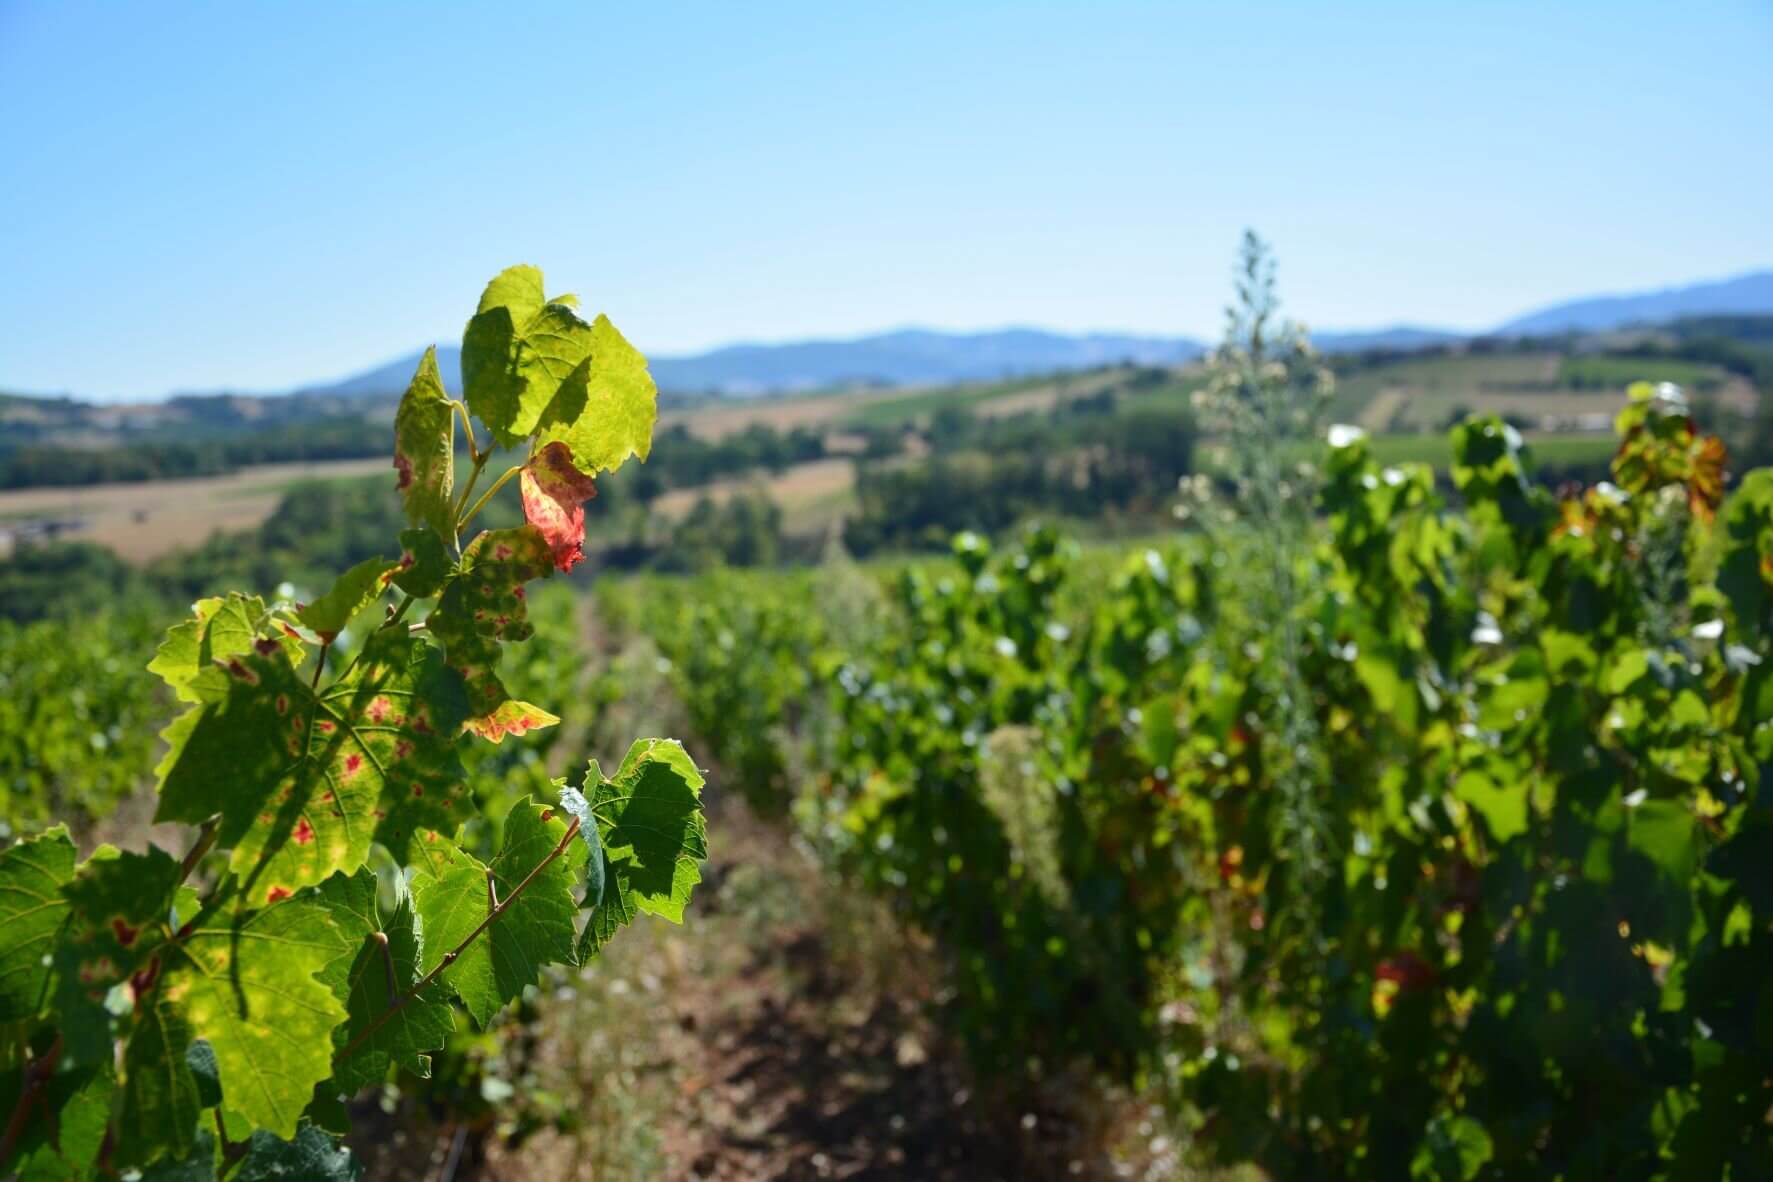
(794, 488)
(145, 520)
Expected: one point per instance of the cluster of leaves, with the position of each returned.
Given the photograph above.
(1539, 939)
(208, 1015)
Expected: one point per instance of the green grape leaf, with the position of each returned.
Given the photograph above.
(424, 563)
(1504, 807)
(219, 628)
(377, 1035)
(424, 450)
(534, 928)
(32, 911)
(81, 1101)
(614, 910)
(160, 1100)
(652, 839)
(554, 496)
(483, 605)
(200, 1060)
(606, 408)
(516, 352)
(303, 780)
(251, 988)
(650, 818)
(196, 1164)
(311, 1156)
(354, 590)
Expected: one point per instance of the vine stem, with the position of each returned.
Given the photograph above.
(37, 1077)
(205, 842)
(468, 488)
(449, 958)
(461, 408)
(486, 496)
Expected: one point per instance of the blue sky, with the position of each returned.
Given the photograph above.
(196, 196)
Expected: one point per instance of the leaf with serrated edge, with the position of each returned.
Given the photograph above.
(424, 449)
(536, 927)
(219, 628)
(482, 606)
(311, 1156)
(252, 990)
(606, 408)
(354, 590)
(32, 911)
(516, 352)
(303, 780)
(650, 816)
(386, 964)
(554, 495)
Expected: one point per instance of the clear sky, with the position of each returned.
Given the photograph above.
(256, 195)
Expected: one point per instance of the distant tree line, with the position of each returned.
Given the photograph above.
(1087, 459)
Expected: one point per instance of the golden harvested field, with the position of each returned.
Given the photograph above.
(144, 520)
(794, 489)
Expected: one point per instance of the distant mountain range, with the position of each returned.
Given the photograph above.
(912, 357)
(1751, 293)
(930, 357)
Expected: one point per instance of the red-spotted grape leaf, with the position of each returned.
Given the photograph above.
(482, 606)
(536, 927)
(303, 780)
(385, 966)
(219, 628)
(424, 564)
(354, 590)
(605, 410)
(424, 450)
(554, 496)
(32, 911)
(251, 988)
(653, 837)
(120, 906)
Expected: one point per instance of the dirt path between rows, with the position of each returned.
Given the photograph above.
(782, 1032)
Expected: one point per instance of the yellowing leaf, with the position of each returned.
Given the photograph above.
(424, 449)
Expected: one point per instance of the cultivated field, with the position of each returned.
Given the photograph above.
(143, 520)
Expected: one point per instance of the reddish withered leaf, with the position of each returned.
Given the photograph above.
(554, 496)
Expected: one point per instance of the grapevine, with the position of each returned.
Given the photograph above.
(210, 1013)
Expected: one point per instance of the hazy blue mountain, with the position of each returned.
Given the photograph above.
(1398, 336)
(1750, 293)
(911, 357)
(930, 357)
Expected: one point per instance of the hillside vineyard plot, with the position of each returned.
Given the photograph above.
(1525, 928)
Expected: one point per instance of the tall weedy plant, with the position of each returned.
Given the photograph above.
(1266, 399)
